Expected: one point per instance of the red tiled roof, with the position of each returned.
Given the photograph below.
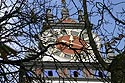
(68, 20)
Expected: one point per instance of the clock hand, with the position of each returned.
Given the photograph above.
(77, 44)
(72, 43)
(71, 38)
(64, 41)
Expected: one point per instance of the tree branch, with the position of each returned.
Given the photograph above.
(92, 42)
(116, 19)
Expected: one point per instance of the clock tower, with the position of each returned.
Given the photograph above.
(67, 38)
(69, 56)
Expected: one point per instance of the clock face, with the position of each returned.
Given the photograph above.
(68, 43)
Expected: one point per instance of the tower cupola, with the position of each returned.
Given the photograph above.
(80, 16)
(49, 15)
(65, 11)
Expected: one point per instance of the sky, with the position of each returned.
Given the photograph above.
(73, 11)
(108, 28)
(94, 20)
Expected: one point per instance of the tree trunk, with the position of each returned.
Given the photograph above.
(118, 69)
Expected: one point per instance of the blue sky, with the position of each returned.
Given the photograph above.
(110, 26)
(94, 20)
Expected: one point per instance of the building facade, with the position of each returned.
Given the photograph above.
(69, 57)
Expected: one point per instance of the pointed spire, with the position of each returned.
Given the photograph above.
(49, 15)
(81, 16)
(65, 12)
(64, 3)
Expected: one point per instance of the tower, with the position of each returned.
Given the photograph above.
(69, 37)
(68, 51)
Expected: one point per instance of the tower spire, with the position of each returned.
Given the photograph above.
(65, 12)
(81, 16)
(64, 3)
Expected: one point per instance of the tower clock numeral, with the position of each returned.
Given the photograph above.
(63, 31)
(75, 33)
